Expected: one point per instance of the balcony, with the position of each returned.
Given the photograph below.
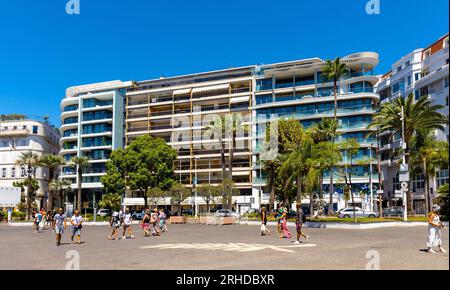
(14, 132)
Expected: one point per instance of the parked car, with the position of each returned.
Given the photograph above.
(348, 213)
(103, 212)
(138, 215)
(226, 213)
(394, 211)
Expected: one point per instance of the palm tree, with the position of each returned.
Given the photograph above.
(52, 163)
(326, 131)
(429, 155)
(208, 192)
(421, 115)
(216, 129)
(80, 163)
(31, 161)
(333, 70)
(234, 123)
(59, 186)
(110, 201)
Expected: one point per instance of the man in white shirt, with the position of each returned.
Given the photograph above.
(127, 224)
(76, 222)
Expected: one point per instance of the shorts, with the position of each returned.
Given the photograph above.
(126, 226)
(76, 232)
(145, 226)
(115, 225)
(59, 230)
(298, 226)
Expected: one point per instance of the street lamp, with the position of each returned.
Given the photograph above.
(195, 186)
(404, 165)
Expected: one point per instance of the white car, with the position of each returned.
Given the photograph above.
(348, 213)
(103, 212)
(226, 212)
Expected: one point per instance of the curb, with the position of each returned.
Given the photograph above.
(29, 224)
(346, 226)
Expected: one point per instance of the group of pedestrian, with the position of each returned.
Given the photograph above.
(59, 224)
(282, 228)
(121, 219)
(154, 223)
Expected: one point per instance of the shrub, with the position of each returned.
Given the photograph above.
(18, 215)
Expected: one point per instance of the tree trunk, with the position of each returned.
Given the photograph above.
(299, 189)
(426, 186)
(28, 198)
(331, 192)
(222, 157)
(231, 153)
(353, 202)
(50, 193)
(335, 99)
(80, 177)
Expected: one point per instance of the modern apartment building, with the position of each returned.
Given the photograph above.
(92, 118)
(422, 72)
(22, 135)
(179, 110)
(298, 90)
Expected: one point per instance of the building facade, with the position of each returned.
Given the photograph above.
(26, 135)
(422, 72)
(180, 110)
(92, 118)
(297, 90)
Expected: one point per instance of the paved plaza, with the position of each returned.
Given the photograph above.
(223, 248)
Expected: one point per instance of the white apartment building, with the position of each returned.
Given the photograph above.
(92, 118)
(20, 136)
(421, 72)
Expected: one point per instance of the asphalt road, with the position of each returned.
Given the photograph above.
(222, 247)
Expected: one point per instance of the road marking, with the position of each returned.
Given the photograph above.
(236, 247)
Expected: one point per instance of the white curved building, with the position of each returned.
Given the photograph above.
(25, 135)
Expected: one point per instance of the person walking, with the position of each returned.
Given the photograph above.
(114, 222)
(37, 220)
(283, 221)
(127, 224)
(49, 218)
(264, 228)
(162, 221)
(59, 225)
(278, 216)
(154, 221)
(434, 230)
(300, 218)
(145, 225)
(76, 221)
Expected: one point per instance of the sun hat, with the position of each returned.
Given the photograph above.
(436, 207)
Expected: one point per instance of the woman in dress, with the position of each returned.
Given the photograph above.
(434, 230)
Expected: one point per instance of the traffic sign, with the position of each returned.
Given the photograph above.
(403, 167)
(380, 191)
(404, 184)
(403, 177)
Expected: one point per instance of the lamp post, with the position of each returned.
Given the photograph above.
(370, 178)
(404, 165)
(195, 187)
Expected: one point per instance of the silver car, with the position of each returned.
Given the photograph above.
(348, 213)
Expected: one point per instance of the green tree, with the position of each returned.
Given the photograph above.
(216, 129)
(154, 194)
(52, 163)
(79, 163)
(146, 163)
(208, 192)
(429, 155)
(227, 191)
(60, 186)
(421, 115)
(326, 131)
(333, 71)
(350, 148)
(31, 162)
(178, 193)
(110, 201)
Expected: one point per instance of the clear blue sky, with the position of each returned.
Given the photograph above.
(43, 50)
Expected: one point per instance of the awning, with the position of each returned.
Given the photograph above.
(133, 201)
(211, 88)
(239, 100)
(182, 92)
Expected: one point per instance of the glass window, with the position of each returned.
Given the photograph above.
(13, 172)
(4, 143)
(23, 172)
(3, 172)
(35, 129)
(409, 80)
(264, 84)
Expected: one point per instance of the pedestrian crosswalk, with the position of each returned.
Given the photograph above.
(235, 247)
